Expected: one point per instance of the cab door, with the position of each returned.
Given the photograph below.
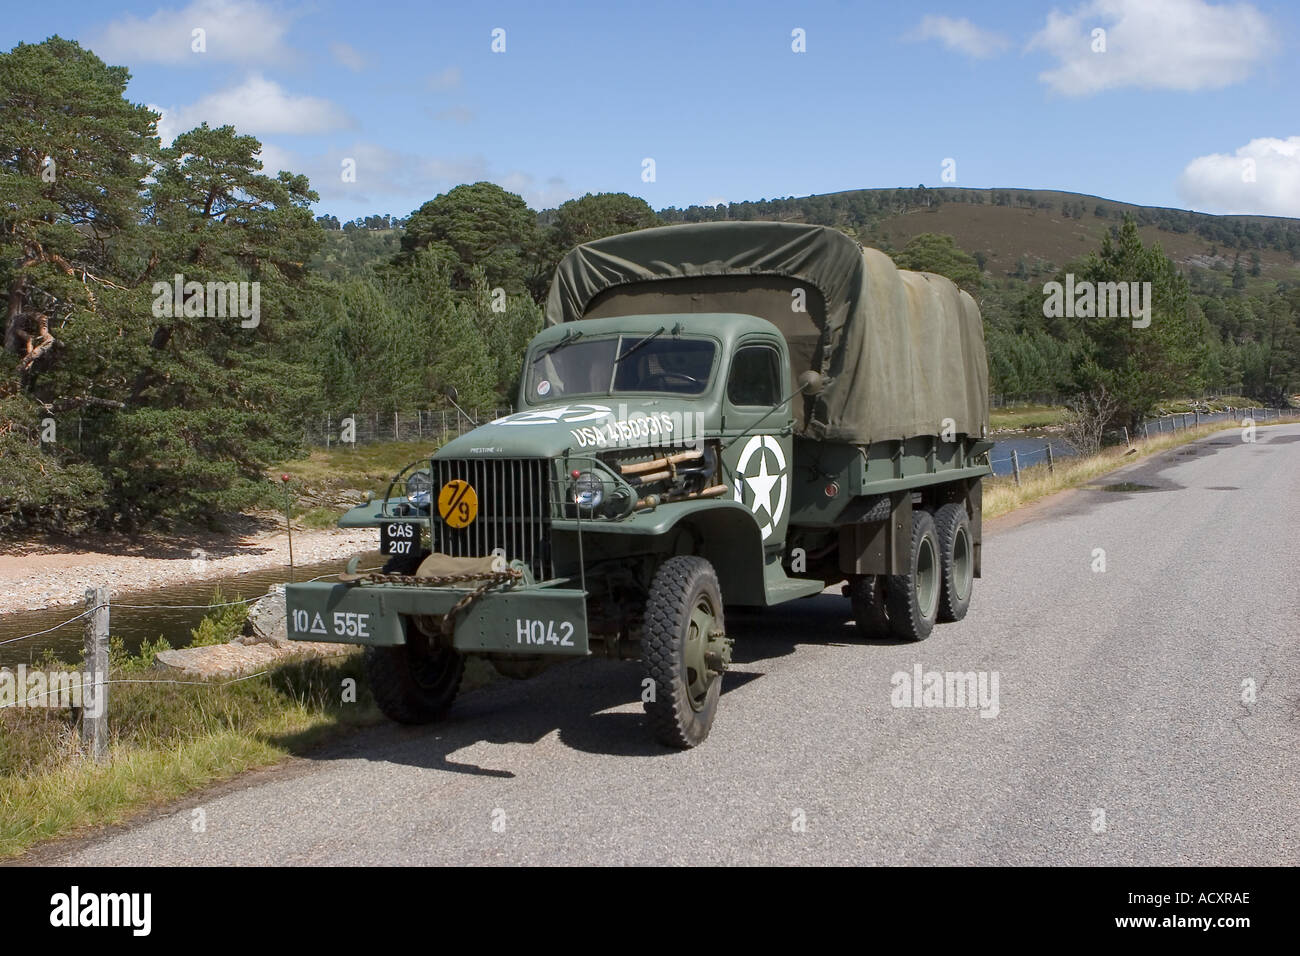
(757, 425)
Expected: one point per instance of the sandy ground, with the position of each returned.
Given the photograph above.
(43, 573)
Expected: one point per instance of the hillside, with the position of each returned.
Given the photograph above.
(1012, 232)
(1006, 234)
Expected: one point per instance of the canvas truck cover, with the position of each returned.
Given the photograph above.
(902, 350)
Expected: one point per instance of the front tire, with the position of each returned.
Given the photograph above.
(415, 682)
(684, 650)
(913, 598)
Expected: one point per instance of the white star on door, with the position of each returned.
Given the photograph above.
(762, 485)
(768, 488)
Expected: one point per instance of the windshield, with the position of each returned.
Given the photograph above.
(661, 363)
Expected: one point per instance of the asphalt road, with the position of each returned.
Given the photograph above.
(1121, 735)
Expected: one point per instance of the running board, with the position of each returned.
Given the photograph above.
(780, 588)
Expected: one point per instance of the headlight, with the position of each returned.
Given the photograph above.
(418, 488)
(588, 491)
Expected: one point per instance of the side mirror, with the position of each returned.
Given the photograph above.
(811, 382)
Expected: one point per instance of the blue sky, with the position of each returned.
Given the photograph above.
(1190, 104)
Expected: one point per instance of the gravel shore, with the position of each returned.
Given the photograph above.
(39, 576)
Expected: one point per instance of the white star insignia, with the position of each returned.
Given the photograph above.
(762, 484)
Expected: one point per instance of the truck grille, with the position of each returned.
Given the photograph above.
(513, 510)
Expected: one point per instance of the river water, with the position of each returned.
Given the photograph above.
(174, 610)
(1030, 446)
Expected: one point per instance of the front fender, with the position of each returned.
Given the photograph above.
(723, 532)
(379, 511)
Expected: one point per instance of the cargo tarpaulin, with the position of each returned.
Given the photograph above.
(903, 351)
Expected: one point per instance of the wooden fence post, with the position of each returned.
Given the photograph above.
(1051, 465)
(94, 689)
(1015, 465)
(1127, 443)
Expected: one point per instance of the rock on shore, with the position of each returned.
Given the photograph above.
(265, 643)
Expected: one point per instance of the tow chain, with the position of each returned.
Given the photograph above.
(490, 580)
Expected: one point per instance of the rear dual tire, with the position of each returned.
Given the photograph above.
(912, 599)
(957, 554)
(936, 589)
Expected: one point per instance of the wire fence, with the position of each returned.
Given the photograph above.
(436, 425)
(91, 608)
(89, 692)
(1025, 455)
(999, 400)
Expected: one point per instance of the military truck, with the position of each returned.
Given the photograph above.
(714, 415)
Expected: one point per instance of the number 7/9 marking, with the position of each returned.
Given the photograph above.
(458, 503)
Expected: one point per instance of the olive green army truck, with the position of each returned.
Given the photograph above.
(715, 415)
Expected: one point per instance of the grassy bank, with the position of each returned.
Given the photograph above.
(169, 739)
(1002, 494)
(1019, 417)
(329, 481)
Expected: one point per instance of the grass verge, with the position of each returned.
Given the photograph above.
(1002, 494)
(169, 739)
(328, 481)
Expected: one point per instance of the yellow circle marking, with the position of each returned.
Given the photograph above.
(458, 503)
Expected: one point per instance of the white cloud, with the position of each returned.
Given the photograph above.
(544, 195)
(1262, 177)
(448, 79)
(257, 106)
(275, 159)
(960, 35)
(1153, 44)
(167, 128)
(348, 56)
(239, 30)
(392, 177)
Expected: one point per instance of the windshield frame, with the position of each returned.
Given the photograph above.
(623, 339)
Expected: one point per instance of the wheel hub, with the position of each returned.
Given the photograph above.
(706, 652)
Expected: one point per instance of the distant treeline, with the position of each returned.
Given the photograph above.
(387, 221)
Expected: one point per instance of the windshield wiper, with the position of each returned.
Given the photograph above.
(636, 345)
(568, 339)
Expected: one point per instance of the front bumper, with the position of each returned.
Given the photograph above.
(522, 620)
